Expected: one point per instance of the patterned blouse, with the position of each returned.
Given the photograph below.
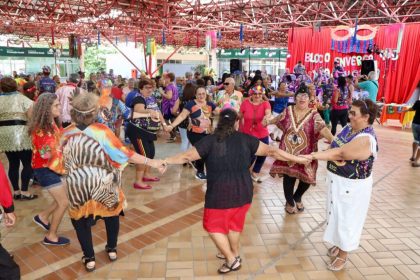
(353, 169)
(299, 138)
(14, 135)
(109, 117)
(43, 146)
(92, 159)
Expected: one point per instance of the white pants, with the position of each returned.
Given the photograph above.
(185, 143)
(347, 207)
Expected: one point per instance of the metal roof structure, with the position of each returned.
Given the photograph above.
(185, 22)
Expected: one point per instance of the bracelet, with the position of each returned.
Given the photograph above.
(145, 161)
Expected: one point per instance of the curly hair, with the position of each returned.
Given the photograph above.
(42, 117)
(85, 108)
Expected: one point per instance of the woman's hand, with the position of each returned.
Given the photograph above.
(168, 128)
(9, 219)
(159, 165)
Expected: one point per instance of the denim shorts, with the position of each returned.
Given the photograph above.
(416, 132)
(47, 178)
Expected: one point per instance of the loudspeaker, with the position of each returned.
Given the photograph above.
(235, 66)
(367, 66)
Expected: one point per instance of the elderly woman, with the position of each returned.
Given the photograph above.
(302, 128)
(228, 155)
(142, 129)
(15, 110)
(93, 159)
(252, 112)
(349, 179)
(199, 112)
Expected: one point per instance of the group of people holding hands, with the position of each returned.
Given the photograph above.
(89, 158)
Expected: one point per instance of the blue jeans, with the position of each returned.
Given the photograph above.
(259, 160)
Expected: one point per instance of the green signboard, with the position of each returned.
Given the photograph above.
(30, 52)
(251, 53)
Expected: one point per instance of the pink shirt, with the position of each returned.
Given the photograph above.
(65, 94)
(253, 116)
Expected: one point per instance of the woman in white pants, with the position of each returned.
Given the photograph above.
(349, 180)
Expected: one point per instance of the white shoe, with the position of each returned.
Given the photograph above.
(256, 179)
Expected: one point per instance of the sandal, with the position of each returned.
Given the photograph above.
(290, 209)
(16, 196)
(28, 197)
(112, 253)
(412, 159)
(332, 266)
(415, 164)
(333, 251)
(299, 206)
(226, 268)
(222, 257)
(89, 263)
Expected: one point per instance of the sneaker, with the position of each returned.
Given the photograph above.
(200, 176)
(60, 242)
(40, 223)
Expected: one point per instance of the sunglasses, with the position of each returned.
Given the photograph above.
(226, 84)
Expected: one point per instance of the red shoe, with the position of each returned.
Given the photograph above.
(140, 187)
(153, 179)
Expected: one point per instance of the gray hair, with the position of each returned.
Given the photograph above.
(372, 75)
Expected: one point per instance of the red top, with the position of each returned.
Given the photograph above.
(43, 145)
(253, 116)
(116, 92)
(6, 200)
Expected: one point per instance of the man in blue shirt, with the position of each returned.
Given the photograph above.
(46, 84)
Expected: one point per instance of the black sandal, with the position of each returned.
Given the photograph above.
(28, 197)
(220, 256)
(300, 209)
(16, 196)
(88, 263)
(225, 268)
(112, 258)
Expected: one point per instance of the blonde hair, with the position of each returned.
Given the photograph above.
(85, 108)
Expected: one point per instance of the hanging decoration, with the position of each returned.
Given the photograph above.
(148, 46)
(135, 40)
(241, 33)
(37, 37)
(99, 38)
(126, 41)
(219, 35)
(163, 37)
(116, 41)
(352, 42)
(52, 35)
(197, 43)
(208, 42)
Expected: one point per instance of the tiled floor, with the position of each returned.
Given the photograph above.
(161, 235)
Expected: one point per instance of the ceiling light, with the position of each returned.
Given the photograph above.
(32, 18)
